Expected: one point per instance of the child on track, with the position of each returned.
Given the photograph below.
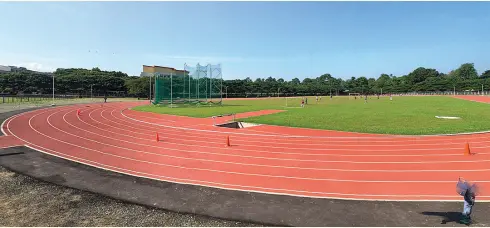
(468, 192)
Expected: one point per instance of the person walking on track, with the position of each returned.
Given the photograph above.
(468, 192)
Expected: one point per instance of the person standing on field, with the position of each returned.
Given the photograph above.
(302, 103)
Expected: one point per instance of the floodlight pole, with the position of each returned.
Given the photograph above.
(150, 88)
(481, 89)
(53, 88)
(210, 82)
(171, 91)
(185, 64)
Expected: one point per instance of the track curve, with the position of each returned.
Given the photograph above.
(268, 159)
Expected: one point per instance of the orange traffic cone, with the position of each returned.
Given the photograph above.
(228, 140)
(158, 138)
(467, 149)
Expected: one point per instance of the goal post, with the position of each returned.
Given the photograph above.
(354, 95)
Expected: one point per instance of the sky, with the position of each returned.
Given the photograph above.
(249, 39)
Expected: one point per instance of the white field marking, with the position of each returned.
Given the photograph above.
(204, 169)
(448, 117)
(261, 151)
(276, 166)
(243, 188)
(303, 136)
(324, 144)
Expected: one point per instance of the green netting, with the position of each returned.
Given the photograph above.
(197, 85)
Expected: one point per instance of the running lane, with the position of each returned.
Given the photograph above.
(304, 162)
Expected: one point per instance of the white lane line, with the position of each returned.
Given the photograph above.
(333, 149)
(220, 154)
(326, 161)
(303, 136)
(209, 184)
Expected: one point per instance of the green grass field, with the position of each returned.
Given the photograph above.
(403, 115)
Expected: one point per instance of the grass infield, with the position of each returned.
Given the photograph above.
(403, 115)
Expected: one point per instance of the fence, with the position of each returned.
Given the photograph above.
(8, 98)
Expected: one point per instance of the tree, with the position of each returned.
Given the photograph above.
(466, 71)
(485, 74)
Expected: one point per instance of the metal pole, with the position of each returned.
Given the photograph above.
(171, 90)
(155, 87)
(185, 64)
(221, 87)
(454, 90)
(150, 88)
(226, 92)
(330, 88)
(53, 89)
(198, 79)
(481, 89)
(210, 82)
(91, 94)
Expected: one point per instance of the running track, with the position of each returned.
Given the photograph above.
(269, 159)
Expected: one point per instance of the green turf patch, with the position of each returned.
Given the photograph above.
(403, 115)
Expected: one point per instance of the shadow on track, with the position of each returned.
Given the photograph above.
(447, 217)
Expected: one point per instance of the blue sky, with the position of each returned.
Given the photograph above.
(249, 39)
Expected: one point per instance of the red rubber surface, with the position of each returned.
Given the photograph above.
(270, 159)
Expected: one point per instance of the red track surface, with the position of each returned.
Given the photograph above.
(270, 159)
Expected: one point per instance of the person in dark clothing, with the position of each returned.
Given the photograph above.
(105, 99)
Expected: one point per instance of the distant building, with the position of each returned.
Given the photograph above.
(9, 69)
(5, 69)
(151, 70)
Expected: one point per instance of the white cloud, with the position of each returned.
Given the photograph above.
(37, 67)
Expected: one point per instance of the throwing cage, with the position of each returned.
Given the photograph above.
(196, 85)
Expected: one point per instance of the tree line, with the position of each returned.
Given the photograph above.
(84, 82)
(464, 78)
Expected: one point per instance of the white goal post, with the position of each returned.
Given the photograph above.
(354, 94)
